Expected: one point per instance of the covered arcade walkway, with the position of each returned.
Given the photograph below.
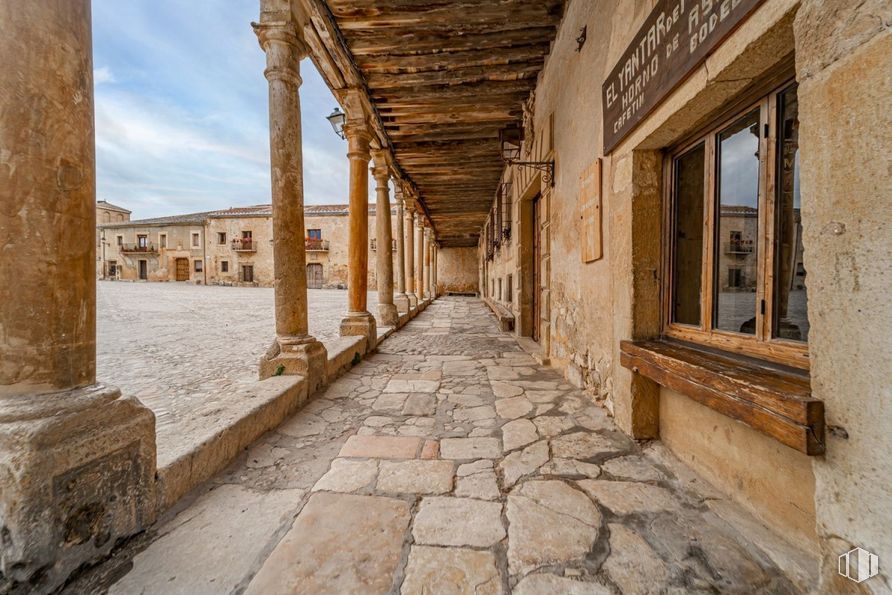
(448, 462)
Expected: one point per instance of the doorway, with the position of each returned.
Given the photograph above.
(247, 273)
(314, 275)
(536, 270)
(182, 269)
(143, 270)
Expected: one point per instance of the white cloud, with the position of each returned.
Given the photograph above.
(103, 75)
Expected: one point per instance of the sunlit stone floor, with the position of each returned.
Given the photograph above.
(448, 462)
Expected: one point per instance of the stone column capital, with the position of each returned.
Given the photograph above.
(381, 167)
(284, 48)
(358, 139)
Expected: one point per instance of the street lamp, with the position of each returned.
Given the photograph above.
(337, 119)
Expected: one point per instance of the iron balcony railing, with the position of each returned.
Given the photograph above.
(316, 245)
(244, 245)
(138, 248)
(739, 247)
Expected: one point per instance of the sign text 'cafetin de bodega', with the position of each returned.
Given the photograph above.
(676, 37)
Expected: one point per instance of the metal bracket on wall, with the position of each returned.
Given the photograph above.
(547, 167)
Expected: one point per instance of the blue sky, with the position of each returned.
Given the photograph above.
(181, 110)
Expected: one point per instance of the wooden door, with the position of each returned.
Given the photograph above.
(314, 275)
(143, 270)
(182, 269)
(537, 270)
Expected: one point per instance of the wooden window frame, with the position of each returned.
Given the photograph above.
(762, 344)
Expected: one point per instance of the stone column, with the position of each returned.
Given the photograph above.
(77, 460)
(410, 255)
(358, 321)
(384, 255)
(401, 300)
(419, 258)
(294, 351)
(434, 291)
(427, 263)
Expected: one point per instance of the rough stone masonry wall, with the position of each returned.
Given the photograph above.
(593, 306)
(161, 266)
(457, 270)
(844, 65)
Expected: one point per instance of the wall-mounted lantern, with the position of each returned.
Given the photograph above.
(337, 119)
(510, 143)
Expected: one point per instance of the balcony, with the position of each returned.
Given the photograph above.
(373, 245)
(739, 247)
(138, 248)
(244, 245)
(316, 245)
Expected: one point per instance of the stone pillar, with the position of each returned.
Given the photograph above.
(358, 321)
(384, 255)
(77, 460)
(410, 255)
(427, 263)
(401, 300)
(294, 351)
(419, 258)
(436, 251)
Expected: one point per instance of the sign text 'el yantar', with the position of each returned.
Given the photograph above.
(676, 37)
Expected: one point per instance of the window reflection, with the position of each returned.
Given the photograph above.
(737, 226)
(688, 228)
(790, 297)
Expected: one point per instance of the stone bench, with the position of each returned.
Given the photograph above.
(503, 315)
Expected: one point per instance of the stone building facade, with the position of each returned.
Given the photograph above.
(227, 247)
(106, 213)
(598, 259)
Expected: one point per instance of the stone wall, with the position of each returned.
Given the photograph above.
(260, 259)
(457, 270)
(843, 64)
(161, 262)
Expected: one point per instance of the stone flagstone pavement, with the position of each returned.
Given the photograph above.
(448, 462)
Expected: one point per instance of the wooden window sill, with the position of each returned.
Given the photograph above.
(771, 399)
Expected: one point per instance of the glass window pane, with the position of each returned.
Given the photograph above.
(688, 236)
(790, 298)
(737, 226)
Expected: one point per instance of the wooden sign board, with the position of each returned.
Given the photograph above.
(675, 39)
(590, 203)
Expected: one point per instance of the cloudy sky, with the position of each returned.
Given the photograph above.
(181, 110)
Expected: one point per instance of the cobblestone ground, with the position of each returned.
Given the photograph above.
(184, 350)
(448, 462)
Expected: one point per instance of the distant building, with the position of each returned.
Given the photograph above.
(227, 247)
(106, 212)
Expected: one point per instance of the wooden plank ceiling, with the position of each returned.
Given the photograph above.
(445, 77)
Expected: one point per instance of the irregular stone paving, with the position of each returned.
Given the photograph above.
(448, 462)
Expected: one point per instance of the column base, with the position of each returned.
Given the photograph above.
(360, 324)
(413, 300)
(296, 356)
(401, 301)
(78, 475)
(388, 314)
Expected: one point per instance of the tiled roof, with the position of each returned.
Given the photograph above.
(251, 211)
(107, 205)
(187, 219)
